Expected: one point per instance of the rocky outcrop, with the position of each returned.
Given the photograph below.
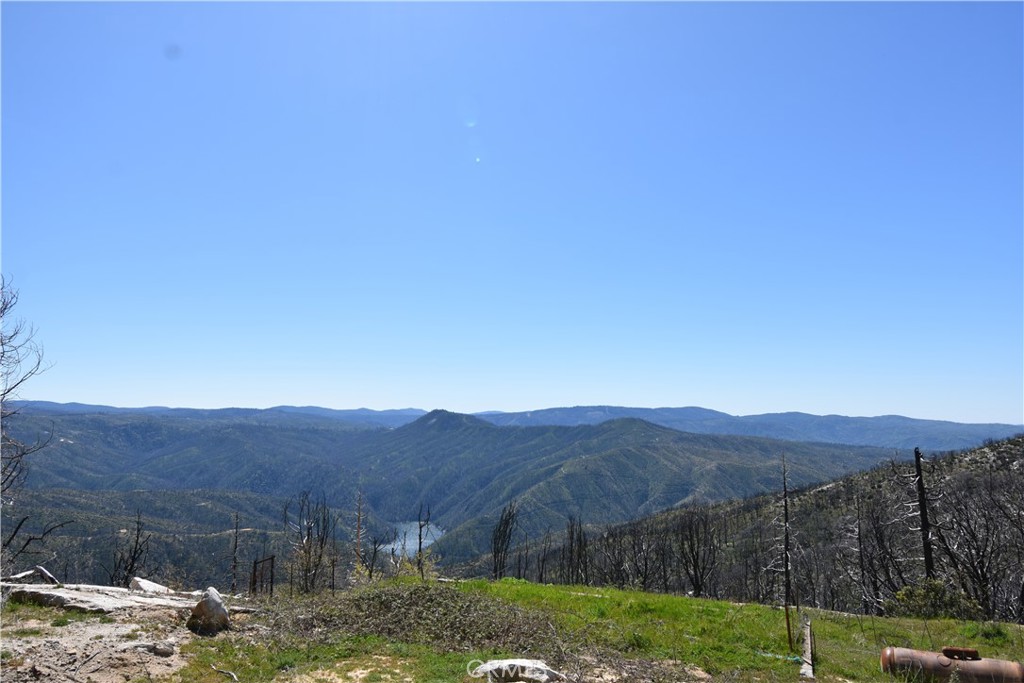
(86, 598)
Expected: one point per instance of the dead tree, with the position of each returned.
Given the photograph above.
(1010, 505)
(574, 557)
(922, 508)
(640, 555)
(886, 550)
(21, 358)
(973, 537)
(130, 555)
(400, 552)
(359, 527)
(370, 552)
(312, 531)
(542, 556)
(917, 509)
(699, 547)
(786, 554)
(16, 543)
(422, 522)
(501, 539)
(610, 564)
(234, 557)
(523, 558)
(868, 586)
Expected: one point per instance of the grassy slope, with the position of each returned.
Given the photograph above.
(724, 637)
(729, 641)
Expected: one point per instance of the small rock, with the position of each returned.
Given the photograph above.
(159, 649)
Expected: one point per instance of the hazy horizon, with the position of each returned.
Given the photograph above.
(490, 411)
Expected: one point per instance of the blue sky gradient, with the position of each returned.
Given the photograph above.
(751, 207)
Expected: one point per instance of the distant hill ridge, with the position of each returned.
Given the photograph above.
(607, 465)
(886, 431)
(464, 467)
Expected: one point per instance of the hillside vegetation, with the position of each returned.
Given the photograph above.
(855, 544)
(672, 596)
(887, 431)
(187, 473)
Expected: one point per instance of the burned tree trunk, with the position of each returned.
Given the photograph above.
(922, 508)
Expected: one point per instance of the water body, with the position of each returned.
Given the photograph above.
(407, 537)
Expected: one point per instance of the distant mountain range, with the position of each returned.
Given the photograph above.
(886, 431)
(600, 464)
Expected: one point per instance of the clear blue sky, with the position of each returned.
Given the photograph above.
(748, 207)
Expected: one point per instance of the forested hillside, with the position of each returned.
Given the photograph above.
(855, 544)
(176, 467)
(887, 431)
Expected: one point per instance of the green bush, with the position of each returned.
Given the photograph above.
(933, 600)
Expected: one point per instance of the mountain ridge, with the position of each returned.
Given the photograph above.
(887, 431)
(462, 467)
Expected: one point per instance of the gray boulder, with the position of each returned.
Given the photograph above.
(209, 616)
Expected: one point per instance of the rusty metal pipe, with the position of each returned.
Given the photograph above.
(969, 666)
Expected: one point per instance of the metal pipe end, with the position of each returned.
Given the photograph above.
(888, 659)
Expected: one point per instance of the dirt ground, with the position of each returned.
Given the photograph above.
(131, 644)
(102, 635)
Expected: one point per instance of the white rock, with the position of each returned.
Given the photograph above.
(145, 586)
(88, 598)
(510, 670)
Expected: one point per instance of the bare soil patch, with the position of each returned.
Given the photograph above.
(93, 634)
(138, 644)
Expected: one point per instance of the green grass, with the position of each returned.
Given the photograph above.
(277, 661)
(15, 614)
(25, 632)
(746, 641)
(719, 637)
(9, 659)
(263, 661)
(850, 645)
(734, 642)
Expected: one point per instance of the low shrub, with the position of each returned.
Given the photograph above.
(933, 600)
(428, 613)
